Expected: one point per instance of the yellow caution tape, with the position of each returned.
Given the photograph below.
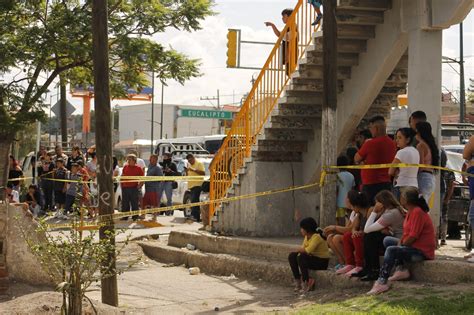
(106, 219)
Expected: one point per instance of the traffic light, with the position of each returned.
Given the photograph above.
(232, 37)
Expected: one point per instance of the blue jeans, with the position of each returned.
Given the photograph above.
(167, 187)
(196, 210)
(471, 214)
(390, 241)
(426, 185)
(470, 181)
(398, 256)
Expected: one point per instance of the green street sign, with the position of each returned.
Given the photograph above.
(202, 113)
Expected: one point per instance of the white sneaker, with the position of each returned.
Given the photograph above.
(470, 260)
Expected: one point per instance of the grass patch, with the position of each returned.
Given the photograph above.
(411, 302)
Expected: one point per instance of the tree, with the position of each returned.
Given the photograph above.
(44, 39)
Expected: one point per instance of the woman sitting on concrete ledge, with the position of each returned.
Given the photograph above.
(418, 242)
(314, 254)
(385, 220)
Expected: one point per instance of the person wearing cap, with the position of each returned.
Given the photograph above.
(73, 187)
(130, 189)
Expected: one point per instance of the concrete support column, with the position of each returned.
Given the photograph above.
(424, 88)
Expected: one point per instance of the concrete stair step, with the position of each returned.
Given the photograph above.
(315, 99)
(343, 46)
(366, 5)
(298, 85)
(286, 135)
(277, 156)
(266, 259)
(281, 146)
(355, 31)
(343, 59)
(317, 73)
(308, 111)
(292, 122)
(358, 17)
(245, 267)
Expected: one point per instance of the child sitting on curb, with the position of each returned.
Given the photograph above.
(353, 241)
(314, 254)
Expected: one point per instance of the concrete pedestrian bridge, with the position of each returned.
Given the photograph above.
(383, 46)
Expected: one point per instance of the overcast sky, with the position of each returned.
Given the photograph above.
(209, 45)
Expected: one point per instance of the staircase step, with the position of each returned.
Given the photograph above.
(343, 46)
(276, 272)
(286, 135)
(294, 122)
(343, 59)
(393, 90)
(281, 146)
(298, 85)
(355, 31)
(308, 111)
(205, 242)
(358, 17)
(315, 99)
(277, 156)
(366, 5)
(316, 72)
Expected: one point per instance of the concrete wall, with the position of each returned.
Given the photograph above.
(21, 264)
(275, 215)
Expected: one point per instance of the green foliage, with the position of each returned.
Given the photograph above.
(41, 40)
(401, 301)
(75, 259)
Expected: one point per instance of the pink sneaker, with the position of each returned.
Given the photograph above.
(355, 270)
(344, 270)
(399, 275)
(378, 288)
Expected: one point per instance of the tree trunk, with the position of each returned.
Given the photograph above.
(103, 140)
(6, 141)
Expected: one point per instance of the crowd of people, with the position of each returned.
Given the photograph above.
(67, 183)
(382, 211)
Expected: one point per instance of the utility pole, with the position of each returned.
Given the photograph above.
(100, 57)
(215, 98)
(152, 108)
(329, 112)
(162, 108)
(62, 111)
(462, 88)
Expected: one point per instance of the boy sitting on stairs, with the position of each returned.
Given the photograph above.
(314, 254)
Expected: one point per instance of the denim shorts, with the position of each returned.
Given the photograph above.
(426, 185)
(315, 3)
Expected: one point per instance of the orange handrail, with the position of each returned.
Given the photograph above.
(267, 89)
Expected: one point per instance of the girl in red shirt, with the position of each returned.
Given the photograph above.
(417, 243)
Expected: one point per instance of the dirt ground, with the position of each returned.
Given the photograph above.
(150, 287)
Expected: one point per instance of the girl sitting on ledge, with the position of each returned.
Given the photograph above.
(314, 254)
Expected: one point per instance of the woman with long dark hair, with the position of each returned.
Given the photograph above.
(429, 155)
(408, 176)
(417, 243)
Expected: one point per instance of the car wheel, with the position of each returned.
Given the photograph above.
(187, 200)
